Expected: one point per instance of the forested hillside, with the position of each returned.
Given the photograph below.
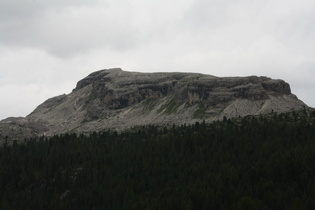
(262, 162)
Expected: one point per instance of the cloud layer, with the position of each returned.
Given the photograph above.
(47, 46)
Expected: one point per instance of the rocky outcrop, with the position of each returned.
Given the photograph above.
(119, 99)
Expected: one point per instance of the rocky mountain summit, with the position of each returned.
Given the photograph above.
(117, 99)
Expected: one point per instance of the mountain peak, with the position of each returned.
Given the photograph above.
(98, 75)
(117, 99)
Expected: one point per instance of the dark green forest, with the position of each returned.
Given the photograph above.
(261, 162)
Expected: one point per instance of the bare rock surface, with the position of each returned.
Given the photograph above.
(117, 99)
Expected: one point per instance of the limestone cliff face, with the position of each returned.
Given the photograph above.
(117, 89)
(119, 99)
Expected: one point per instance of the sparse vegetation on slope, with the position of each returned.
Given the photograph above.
(200, 112)
(169, 108)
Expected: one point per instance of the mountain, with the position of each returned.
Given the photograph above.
(117, 99)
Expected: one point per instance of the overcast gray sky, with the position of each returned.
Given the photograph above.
(47, 46)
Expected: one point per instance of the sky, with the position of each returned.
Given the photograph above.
(47, 46)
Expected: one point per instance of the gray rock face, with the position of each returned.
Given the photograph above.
(119, 99)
